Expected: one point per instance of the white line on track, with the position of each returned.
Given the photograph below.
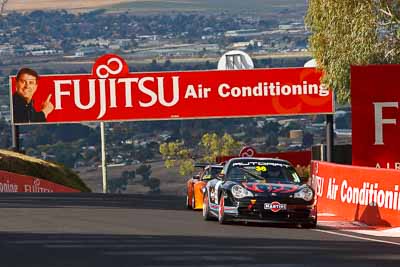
(357, 237)
(393, 232)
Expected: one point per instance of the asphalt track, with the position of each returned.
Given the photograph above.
(135, 230)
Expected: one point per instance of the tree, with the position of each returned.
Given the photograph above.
(67, 45)
(390, 22)
(176, 154)
(5, 134)
(145, 171)
(271, 127)
(167, 64)
(211, 145)
(271, 141)
(120, 184)
(308, 139)
(2, 6)
(350, 32)
(154, 185)
(128, 175)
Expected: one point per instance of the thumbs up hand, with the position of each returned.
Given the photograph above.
(47, 106)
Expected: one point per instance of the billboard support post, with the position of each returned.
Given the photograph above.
(15, 137)
(329, 123)
(329, 137)
(103, 157)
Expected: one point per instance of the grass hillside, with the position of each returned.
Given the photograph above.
(22, 164)
(236, 6)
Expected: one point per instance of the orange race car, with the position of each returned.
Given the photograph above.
(194, 186)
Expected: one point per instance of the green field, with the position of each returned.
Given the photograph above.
(235, 6)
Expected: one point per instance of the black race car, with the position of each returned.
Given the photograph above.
(260, 190)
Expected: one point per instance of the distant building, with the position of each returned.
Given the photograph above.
(184, 50)
(6, 50)
(292, 26)
(5, 115)
(243, 33)
(44, 52)
(88, 51)
(240, 45)
(296, 134)
(95, 42)
(146, 37)
(32, 47)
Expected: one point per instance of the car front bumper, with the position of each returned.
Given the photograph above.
(255, 212)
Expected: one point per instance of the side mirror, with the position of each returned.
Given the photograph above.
(221, 176)
(207, 177)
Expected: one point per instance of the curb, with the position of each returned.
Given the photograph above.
(357, 227)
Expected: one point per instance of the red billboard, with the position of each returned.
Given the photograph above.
(375, 97)
(13, 182)
(112, 93)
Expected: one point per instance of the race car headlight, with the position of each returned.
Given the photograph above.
(305, 193)
(240, 192)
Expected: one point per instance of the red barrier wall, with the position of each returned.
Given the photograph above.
(12, 182)
(363, 194)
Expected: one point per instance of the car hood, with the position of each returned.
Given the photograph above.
(271, 187)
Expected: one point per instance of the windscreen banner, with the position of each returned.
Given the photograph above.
(13, 182)
(112, 93)
(296, 158)
(364, 194)
(375, 97)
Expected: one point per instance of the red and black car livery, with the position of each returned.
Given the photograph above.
(260, 190)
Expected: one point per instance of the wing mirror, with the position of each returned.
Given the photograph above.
(207, 177)
(221, 176)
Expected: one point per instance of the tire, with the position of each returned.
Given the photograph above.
(206, 208)
(221, 211)
(187, 206)
(193, 201)
(310, 225)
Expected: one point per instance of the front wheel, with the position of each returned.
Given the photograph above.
(221, 210)
(310, 225)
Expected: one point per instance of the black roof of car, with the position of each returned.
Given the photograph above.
(272, 160)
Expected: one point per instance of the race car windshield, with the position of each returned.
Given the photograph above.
(263, 173)
(215, 172)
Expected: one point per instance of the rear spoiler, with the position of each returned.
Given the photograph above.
(201, 165)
